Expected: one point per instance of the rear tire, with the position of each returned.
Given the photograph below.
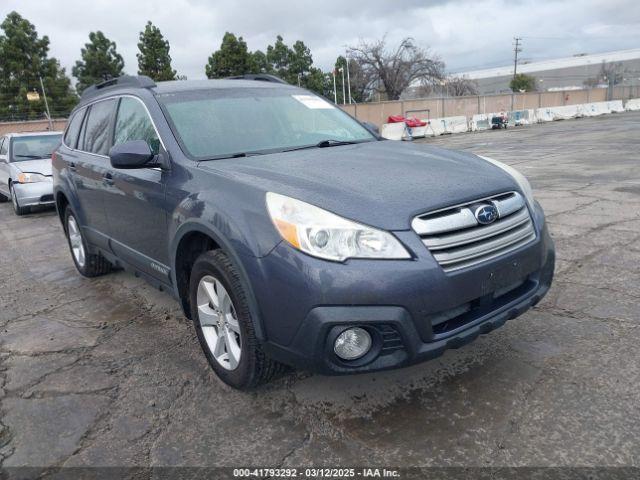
(224, 323)
(16, 204)
(88, 264)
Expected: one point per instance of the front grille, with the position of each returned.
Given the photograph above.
(457, 240)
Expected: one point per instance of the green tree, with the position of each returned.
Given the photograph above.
(154, 59)
(233, 58)
(23, 61)
(259, 63)
(278, 56)
(523, 82)
(295, 66)
(100, 61)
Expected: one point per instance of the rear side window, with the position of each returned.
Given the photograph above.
(96, 131)
(133, 123)
(73, 129)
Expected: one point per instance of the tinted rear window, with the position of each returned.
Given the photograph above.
(73, 129)
(96, 135)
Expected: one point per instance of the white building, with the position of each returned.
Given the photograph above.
(562, 73)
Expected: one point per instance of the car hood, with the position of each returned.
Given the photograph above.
(382, 184)
(41, 166)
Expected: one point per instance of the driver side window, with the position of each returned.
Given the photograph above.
(4, 145)
(133, 123)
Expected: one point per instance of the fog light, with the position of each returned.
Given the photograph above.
(353, 343)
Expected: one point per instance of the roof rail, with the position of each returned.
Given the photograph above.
(261, 77)
(140, 81)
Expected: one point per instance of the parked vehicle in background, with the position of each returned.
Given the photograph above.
(499, 121)
(290, 232)
(25, 169)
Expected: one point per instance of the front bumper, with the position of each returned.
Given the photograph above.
(412, 308)
(34, 194)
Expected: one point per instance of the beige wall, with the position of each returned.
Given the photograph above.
(378, 112)
(31, 126)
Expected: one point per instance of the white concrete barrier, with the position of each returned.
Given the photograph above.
(417, 132)
(615, 106)
(479, 122)
(565, 112)
(459, 124)
(439, 126)
(544, 115)
(594, 109)
(522, 117)
(632, 104)
(393, 131)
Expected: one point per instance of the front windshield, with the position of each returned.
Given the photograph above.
(218, 123)
(33, 147)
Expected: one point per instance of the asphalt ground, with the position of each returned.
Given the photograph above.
(107, 372)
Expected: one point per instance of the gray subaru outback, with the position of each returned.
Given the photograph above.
(291, 233)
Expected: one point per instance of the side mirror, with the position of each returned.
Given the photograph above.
(371, 127)
(133, 154)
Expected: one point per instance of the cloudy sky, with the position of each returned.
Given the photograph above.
(466, 34)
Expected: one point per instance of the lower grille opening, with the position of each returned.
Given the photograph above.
(452, 319)
(46, 198)
(391, 339)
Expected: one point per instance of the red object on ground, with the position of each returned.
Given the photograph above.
(411, 122)
(395, 119)
(414, 122)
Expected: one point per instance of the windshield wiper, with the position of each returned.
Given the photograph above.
(34, 157)
(322, 144)
(233, 155)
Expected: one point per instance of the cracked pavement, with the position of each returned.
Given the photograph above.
(107, 372)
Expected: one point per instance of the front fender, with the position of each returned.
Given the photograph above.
(240, 258)
(65, 187)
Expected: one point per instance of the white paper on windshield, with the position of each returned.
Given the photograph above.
(310, 101)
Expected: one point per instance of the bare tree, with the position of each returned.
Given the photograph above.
(610, 73)
(460, 86)
(392, 71)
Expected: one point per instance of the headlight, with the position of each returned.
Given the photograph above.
(32, 178)
(326, 235)
(520, 179)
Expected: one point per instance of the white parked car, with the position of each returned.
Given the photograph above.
(25, 169)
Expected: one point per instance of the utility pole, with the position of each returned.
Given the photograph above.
(335, 93)
(46, 104)
(348, 79)
(344, 95)
(516, 50)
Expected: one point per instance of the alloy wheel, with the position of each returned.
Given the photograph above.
(75, 240)
(219, 322)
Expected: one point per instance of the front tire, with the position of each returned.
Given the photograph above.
(224, 324)
(88, 264)
(18, 210)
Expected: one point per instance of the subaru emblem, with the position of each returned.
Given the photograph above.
(486, 214)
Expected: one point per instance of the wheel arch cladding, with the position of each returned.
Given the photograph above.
(191, 240)
(61, 204)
